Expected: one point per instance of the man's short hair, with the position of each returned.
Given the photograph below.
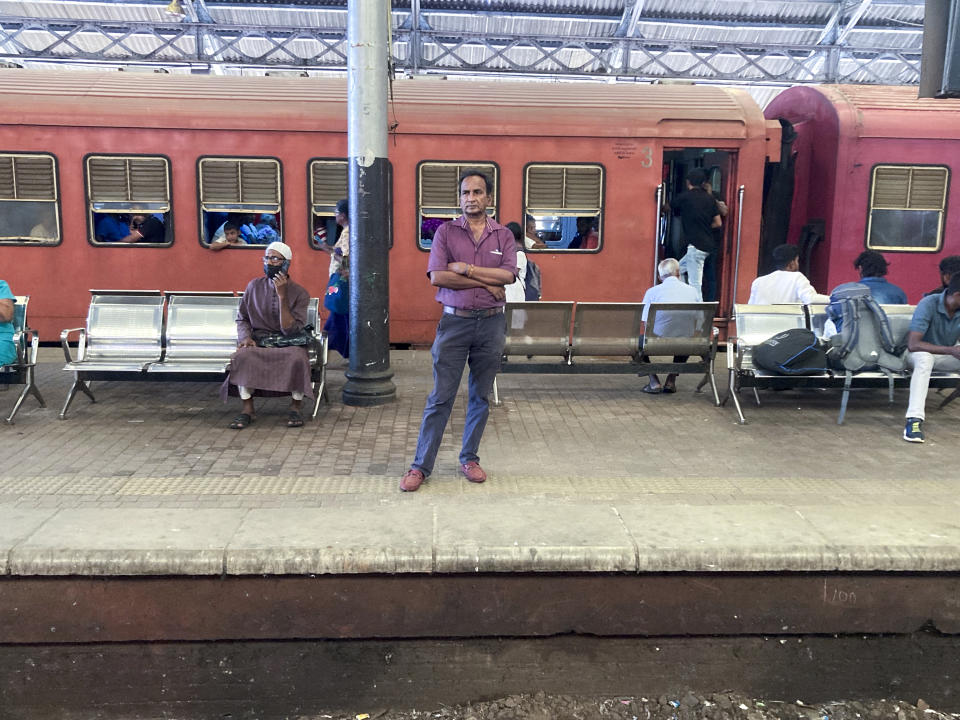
(343, 208)
(229, 226)
(473, 172)
(954, 286)
(870, 263)
(783, 255)
(950, 265)
(668, 267)
(696, 177)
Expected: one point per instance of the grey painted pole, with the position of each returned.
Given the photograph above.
(369, 375)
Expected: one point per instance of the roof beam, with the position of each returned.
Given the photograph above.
(632, 10)
(854, 19)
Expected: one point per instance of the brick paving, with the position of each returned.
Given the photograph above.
(559, 442)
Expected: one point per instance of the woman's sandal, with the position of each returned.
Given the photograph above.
(294, 419)
(240, 421)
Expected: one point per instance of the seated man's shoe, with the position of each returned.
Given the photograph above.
(412, 480)
(473, 472)
(913, 431)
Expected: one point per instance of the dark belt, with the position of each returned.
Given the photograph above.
(462, 312)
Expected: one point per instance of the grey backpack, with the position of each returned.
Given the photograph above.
(864, 341)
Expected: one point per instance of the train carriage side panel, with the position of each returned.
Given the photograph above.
(875, 126)
(623, 128)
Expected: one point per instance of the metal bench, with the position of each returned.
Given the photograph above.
(682, 329)
(124, 334)
(127, 338)
(22, 371)
(754, 324)
(200, 336)
(599, 333)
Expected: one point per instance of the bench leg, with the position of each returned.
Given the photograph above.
(846, 397)
(319, 392)
(950, 398)
(733, 394)
(496, 394)
(78, 384)
(29, 389)
(756, 396)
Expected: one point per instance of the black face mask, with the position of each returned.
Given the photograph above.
(273, 270)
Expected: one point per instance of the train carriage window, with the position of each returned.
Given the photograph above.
(438, 194)
(245, 192)
(328, 185)
(565, 202)
(29, 200)
(907, 206)
(128, 200)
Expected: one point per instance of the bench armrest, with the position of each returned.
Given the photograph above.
(81, 342)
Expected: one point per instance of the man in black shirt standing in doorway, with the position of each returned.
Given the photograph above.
(699, 214)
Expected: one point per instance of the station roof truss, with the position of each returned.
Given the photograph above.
(774, 42)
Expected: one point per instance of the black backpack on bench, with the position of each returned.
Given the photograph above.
(792, 352)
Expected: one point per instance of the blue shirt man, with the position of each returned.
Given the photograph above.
(932, 344)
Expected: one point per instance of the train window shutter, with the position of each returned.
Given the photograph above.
(328, 184)
(906, 207)
(240, 185)
(439, 192)
(564, 190)
(29, 208)
(129, 183)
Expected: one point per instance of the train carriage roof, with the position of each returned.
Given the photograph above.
(419, 105)
(870, 111)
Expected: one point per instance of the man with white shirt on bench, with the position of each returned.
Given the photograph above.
(786, 284)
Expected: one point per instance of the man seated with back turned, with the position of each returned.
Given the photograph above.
(670, 290)
(270, 304)
(786, 284)
(932, 344)
(873, 268)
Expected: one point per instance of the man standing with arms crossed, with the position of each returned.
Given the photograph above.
(472, 258)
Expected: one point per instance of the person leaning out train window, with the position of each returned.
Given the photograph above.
(230, 236)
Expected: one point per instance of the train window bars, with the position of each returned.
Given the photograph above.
(243, 191)
(328, 184)
(438, 194)
(565, 202)
(29, 200)
(128, 200)
(907, 206)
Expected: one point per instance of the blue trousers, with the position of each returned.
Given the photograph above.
(460, 340)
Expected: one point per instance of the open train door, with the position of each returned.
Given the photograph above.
(720, 168)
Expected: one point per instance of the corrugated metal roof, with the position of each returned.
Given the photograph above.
(512, 36)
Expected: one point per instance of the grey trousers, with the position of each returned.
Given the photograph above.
(459, 340)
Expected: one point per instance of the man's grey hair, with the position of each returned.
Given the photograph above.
(668, 267)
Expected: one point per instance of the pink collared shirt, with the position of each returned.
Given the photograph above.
(453, 242)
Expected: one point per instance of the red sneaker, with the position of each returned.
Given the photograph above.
(473, 472)
(411, 481)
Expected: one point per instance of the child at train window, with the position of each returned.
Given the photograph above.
(230, 236)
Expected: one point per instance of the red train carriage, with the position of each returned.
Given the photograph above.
(872, 168)
(81, 152)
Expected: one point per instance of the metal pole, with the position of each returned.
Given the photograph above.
(369, 375)
(656, 233)
(736, 263)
